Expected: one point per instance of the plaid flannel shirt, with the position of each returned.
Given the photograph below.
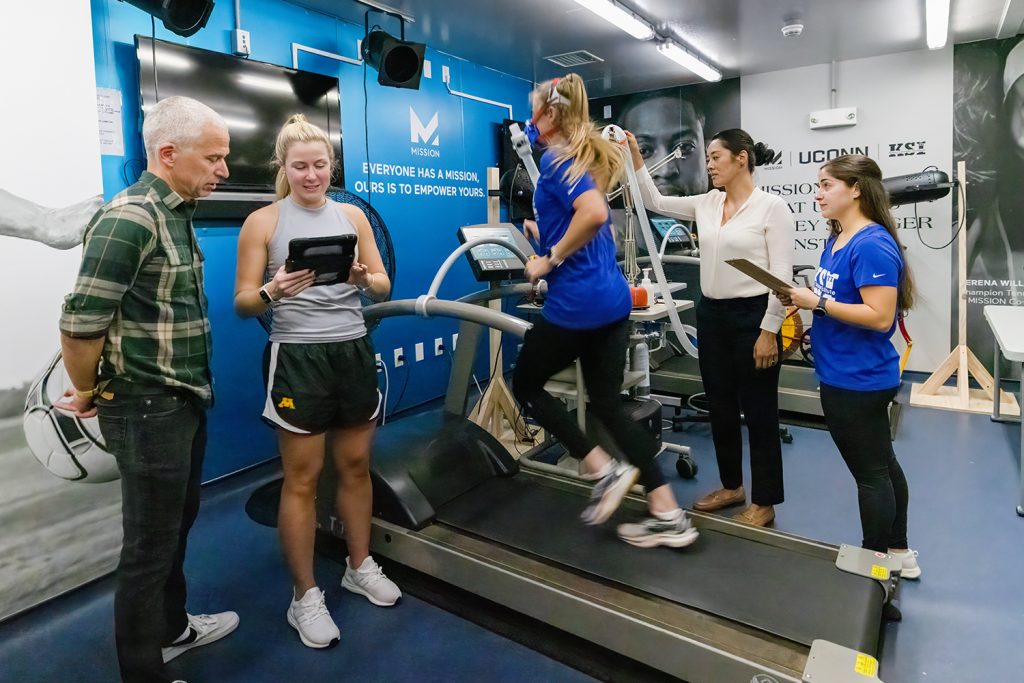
(141, 286)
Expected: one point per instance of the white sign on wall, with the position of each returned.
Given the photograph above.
(904, 123)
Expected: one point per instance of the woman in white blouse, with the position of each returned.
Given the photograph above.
(737, 322)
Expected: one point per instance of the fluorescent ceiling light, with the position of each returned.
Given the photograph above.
(266, 83)
(936, 14)
(618, 15)
(688, 61)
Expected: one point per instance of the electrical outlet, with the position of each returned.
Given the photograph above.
(419, 351)
(455, 341)
(240, 43)
(399, 357)
(438, 347)
(427, 71)
(376, 357)
(446, 74)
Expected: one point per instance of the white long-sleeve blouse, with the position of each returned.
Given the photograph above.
(761, 231)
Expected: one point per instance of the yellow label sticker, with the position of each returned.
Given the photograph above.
(866, 665)
(879, 572)
(286, 403)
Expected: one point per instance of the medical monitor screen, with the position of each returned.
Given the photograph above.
(254, 98)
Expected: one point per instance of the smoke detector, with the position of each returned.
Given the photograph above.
(792, 30)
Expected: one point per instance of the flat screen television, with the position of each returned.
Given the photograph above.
(254, 98)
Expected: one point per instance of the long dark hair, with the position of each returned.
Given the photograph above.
(857, 169)
(737, 140)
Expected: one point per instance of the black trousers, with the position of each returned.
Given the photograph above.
(726, 332)
(549, 348)
(859, 424)
(158, 437)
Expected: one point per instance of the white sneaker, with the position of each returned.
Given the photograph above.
(654, 531)
(910, 570)
(608, 493)
(369, 580)
(309, 616)
(203, 629)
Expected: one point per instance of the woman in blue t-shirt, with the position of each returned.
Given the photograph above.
(586, 314)
(862, 284)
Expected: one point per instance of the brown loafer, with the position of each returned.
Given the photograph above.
(762, 515)
(722, 498)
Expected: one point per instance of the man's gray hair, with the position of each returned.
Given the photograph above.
(177, 120)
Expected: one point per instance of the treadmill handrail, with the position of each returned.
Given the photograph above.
(449, 309)
(521, 288)
(454, 256)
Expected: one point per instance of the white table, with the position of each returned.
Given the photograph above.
(1007, 323)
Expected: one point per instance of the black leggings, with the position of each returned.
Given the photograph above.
(727, 330)
(859, 424)
(549, 348)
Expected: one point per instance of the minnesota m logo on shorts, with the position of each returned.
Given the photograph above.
(287, 403)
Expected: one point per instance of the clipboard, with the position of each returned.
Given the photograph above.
(752, 270)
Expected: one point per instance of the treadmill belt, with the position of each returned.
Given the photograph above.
(786, 593)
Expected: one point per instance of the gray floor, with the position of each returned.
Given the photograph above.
(963, 621)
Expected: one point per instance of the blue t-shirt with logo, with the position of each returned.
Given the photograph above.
(587, 290)
(847, 356)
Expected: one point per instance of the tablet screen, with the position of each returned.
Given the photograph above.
(330, 258)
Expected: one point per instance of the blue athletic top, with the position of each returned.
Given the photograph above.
(587, 290)
(847, 356)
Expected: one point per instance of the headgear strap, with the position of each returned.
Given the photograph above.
(555, 97)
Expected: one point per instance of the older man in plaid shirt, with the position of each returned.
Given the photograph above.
(136, 343)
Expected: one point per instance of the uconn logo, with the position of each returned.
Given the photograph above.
(820, 156)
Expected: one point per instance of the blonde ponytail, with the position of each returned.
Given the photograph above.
(583, 143)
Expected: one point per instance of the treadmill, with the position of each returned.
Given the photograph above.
(741, 604)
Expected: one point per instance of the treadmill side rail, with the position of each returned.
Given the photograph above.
(864, 562)
(831, 663)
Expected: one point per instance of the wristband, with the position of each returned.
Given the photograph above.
(89, 393)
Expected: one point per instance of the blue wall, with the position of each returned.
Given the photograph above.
(422, 226)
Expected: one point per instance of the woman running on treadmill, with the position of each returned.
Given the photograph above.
(321, 375)
(862, 285)
(586, 315)
(737, 322)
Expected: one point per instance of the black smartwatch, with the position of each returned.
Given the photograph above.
(819, 310)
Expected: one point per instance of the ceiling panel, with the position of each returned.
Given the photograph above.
(738, 36)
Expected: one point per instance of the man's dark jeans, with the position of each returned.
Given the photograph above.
(158, 437)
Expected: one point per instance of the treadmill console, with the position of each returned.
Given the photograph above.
(491, 262)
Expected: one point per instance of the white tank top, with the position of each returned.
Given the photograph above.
(326, 313)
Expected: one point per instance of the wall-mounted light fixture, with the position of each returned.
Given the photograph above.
(184, 17)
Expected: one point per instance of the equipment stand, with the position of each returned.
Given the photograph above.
(497, 405)
(961, 360)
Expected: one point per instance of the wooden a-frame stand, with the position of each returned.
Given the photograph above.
(497, 407)
(961, 360)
